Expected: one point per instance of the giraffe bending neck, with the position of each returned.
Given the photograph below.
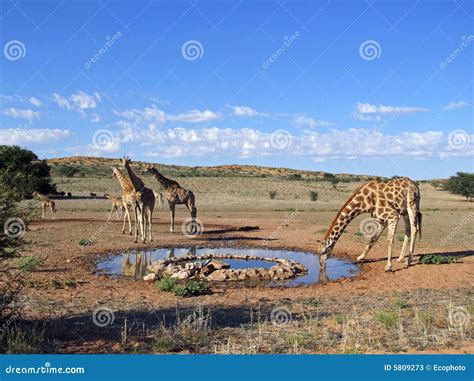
(164, 182)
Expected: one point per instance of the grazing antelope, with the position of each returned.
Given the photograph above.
(46, 202)
(386, 201)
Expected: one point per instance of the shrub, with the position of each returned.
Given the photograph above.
(27, 264)
(461, 184)
(166, 284)
(435, 259)
(85, 242)
(387, 318)
(313, 195)
(192, 288)
(272, 194)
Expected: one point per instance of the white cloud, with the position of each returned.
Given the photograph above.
(22, 136)
(153, 114)
(307, 121)
(35, 102)
(80, 101)
(367, 108)
(244, 111)
(21, 113)
(456, 105)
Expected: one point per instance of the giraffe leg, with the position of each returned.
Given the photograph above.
(406, 240)
(150, 218)
(414, 229)
(53, 211)
(372, 241)
(142, 223)
(135, 212)
(172, 210)
(44, 210)
(193, 221)
(125, 220)
(392, 227)
(110, 214)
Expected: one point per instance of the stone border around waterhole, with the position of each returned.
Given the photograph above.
(214, 270)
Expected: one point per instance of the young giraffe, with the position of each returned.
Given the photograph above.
(386, 202)
(128, 197)
(145, 200)
(45, 203)
(176, 195)
(118, 205)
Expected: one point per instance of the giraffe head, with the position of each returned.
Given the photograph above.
(114, 171)
(324, 249)
(125, 161)
(148, 168)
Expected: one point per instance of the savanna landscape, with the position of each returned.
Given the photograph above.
(65, 304)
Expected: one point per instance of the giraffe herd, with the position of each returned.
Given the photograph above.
(386, 201)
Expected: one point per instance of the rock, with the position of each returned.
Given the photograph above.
(182, 275)
(150, 277)
(218, 276)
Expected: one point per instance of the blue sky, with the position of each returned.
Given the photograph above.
(369, 87)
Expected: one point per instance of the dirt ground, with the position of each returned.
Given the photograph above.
(447, 230)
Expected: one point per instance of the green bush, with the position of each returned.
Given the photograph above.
(387, 318)
(192, 288)
(166, 284)
(272, 194)
(27, 264)
(85, 242)
(435, 259)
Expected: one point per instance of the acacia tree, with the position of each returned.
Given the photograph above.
(23, 173)
(461, 184)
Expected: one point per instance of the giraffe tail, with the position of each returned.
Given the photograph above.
(419, 217)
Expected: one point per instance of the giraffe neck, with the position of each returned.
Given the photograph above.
(345, 215)
(136, 181)
(125, 183)
(165, 183)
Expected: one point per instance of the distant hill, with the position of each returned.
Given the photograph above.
(83, 166)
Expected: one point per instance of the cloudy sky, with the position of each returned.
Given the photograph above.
(368, 87)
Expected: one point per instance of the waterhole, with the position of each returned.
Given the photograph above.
(133, 264)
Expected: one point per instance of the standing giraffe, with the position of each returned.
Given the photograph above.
(175, 195)
(45, 203)
(145, 202)
(386, 202)
(128, 198)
